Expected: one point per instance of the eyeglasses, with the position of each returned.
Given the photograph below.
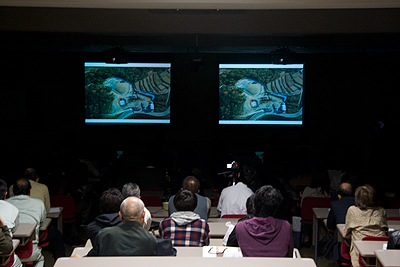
(210, 251)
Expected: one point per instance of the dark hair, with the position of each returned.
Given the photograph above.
(365, 197)
(22, 187)
(3, 189)
(130, 190)
(247, 175)
(250, 204)
(191, 183)
(110, 201)
(185, 200)
(343, 192)
(266, 201)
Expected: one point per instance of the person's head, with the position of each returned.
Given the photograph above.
(185, 200)
(3, 189)
(191, 183)
(131, 190)
(250, 204)
(110, 201)
(344, 190)
(365, 197)
(247, 175)
(22, 187)
(31, 173)
(132, 209)
(266, 201)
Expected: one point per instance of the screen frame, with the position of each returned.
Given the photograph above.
(260, 63)
(144, 64)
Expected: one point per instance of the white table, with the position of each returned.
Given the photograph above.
(318, 214)
(367, 250)
(55, 213)
(25, 232)
(182, 261)
(387, 258)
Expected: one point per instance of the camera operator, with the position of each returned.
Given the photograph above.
(233, 198)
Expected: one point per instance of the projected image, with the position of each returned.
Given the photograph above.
(127, 93)
(261, 94)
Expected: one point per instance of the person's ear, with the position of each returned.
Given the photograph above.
(120, 215)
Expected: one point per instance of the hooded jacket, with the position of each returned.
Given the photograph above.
(102, 221)
(265, 237)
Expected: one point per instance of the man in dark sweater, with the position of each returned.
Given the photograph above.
(337, 214)
(129, 239)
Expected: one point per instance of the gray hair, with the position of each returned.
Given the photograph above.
(132, 209)
(130, 190)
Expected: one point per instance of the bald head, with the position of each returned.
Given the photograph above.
(345, 190)
(191, 183)
(132, 209)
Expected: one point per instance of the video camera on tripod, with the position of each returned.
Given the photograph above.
(232, 173)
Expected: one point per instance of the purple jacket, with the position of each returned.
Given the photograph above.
(265, 237)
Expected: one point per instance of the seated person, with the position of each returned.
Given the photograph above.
(337, 215)
(133, 190)
(233, 198)
(184, 227)
(6, 245)
(232, 240)
(31, 210)
(394, 240)
(9, 213)
(364, 219)
(129, 239)
(263, 235)
(110, 202)
(203, 206)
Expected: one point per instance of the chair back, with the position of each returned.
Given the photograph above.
(25, 251)
(313, 202)
(68, 204)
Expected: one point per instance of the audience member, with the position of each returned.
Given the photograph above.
(110, 202)
(6, 245)
(38, 190)
(184, 227)
(394, 240)
(233, 198)
(263, 235)
(128, 239)
(133, 190)
(364, 219)
(9, 212)
(232, 240)
(203, 206)
(319, 186)
(337, 215)
(31, 210)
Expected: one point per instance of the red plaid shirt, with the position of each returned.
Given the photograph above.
(190, 235)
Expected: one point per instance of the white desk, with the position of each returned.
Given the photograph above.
(55, 213)
(318, 214)
(25, 232)
(367, 250)
(182, 261)
(5, 258)
(387, 258)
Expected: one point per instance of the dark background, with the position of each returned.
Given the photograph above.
(351, 78)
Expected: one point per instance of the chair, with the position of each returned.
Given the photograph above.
(313, 202)
(345, 255)
(371, 238)
(296, 254)
(25, 252)
(239, 216)
(393, 218)
(68, 204)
